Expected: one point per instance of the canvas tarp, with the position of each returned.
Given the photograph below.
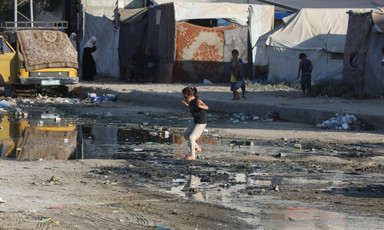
(46, 49)
(356, 47)
(131, 15)
(374, 71)
(107, 35)
(135, 35)
(316, 32)
(238, 13)
(260, 22)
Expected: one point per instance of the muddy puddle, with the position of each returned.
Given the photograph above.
(275, 190)
(256, 189)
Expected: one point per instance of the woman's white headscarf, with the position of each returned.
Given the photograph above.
(89, 43)
(73, 41)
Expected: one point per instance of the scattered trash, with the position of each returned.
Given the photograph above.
(280, 155)
(297, 146)
(138, 150)
(109, 97)
(4, 103)
(340, 122)
(2, 201)
(50, 221)
(237, 117)
(92, 97)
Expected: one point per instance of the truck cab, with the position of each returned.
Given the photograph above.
(36, 59)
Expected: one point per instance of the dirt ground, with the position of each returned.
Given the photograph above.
(327, 176)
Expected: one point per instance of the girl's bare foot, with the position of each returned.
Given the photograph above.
(190, 157)
(198, 149)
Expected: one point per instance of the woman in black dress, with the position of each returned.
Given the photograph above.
(89, 64)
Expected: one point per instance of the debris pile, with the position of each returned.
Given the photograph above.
(340, 122)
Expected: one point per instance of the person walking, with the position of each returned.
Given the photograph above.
(198, 110)
(73, 39)
(89, 64)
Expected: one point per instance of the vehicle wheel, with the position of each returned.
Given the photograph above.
(9, 90)
(63, 90)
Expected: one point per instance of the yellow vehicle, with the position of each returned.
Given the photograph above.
(37, 59)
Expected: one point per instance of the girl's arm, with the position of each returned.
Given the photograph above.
(184, 103)
(201, 105)
(310, 66)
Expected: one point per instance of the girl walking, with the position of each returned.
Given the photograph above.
(198, 111)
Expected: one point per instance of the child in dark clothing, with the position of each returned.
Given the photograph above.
(305, 67)
(198, 111)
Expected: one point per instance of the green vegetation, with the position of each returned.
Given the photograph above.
(334, 88)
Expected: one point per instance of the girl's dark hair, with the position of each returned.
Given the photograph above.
(190, 91)
(235, 51)
(302, 55)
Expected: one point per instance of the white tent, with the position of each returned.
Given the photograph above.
(320, 33)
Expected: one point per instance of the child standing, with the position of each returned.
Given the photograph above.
(198, 111)
(305, 67)
(237, 80)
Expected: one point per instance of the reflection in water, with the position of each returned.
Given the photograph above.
(47, 136)
(192, 190)
(101, 142)
(35, 139)
(50, 143)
